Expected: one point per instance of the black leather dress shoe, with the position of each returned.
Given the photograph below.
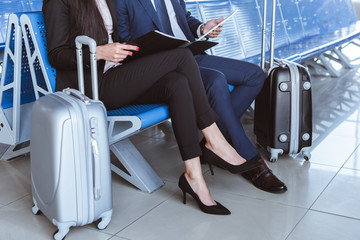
(263, 178)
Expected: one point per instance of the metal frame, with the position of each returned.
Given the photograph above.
(13, 131)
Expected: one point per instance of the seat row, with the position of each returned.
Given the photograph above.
(304, 29)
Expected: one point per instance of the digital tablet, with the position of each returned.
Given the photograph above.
(215, 27)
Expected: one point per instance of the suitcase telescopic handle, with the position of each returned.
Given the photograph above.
(85, 40)
(272, 36)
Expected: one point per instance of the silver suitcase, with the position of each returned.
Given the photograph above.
(70, 157)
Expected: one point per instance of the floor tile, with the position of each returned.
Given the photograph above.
(118, 238)
(355, 116)
(342, 196)
(354, 161)
(174, 220)
(14, 180)
(162, 154)
(129, 203)
(334, 150)
(348, 128)
(21, 223)
(334, 101)
(316, 226)
(305, 181)
(162, 130)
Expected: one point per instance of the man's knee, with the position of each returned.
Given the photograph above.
(214, 82)
(258, 75)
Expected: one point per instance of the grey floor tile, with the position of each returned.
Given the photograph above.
(163, 155)
(118, 238)
(305, 181)
(342, 196)
(334, 150)
(250, 219)
(14, 180)
(317, 225)
(348, 128)
(130, 204)
(18, 222)
(354, 161)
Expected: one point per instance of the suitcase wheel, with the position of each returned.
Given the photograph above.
(35, 210)
(103, 223)
(273, 158)
(306, 155)
(274, 154)
(57, 235)
(63, 229)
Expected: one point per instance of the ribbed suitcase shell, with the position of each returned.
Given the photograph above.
(70, 155)
(283, 112)
(62, 162)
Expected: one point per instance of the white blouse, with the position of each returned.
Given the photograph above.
(105, 13)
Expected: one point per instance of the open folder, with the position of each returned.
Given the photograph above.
(156, 41)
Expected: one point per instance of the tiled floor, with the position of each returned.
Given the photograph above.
(322, 201)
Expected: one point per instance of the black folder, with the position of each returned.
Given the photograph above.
(156, 41)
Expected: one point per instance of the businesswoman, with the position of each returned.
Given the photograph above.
(170, 77)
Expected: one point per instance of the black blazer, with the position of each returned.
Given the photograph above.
(59, 16)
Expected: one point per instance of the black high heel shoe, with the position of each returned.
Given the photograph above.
(212, 159)
(217, 209)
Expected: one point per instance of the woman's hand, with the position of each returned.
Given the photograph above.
(115, 52)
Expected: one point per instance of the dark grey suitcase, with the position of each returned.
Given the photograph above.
(283, 109)
(70, 158)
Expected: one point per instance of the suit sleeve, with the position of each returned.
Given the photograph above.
(192, 21)
(123, 22)
(57, 19)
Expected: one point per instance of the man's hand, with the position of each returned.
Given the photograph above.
(115, 52)
(210, 24)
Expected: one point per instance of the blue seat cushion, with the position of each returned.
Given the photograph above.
(149, 114)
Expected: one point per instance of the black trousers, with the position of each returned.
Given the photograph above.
(170, 77)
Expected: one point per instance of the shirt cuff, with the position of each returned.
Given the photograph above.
(198, 30)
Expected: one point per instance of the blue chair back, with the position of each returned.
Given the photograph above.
(229, 40)
(6, 8)
(35, 5)
(27, 90)
(292, 20)
(317, 16)
(249, 26)
(281, 37)
(345, 12)
(38, 27)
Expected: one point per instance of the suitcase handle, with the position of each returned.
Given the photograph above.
(272, 36)
(76, 94)
(97, 184)
(85, 40)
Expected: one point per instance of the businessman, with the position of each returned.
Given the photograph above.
(137, 17)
